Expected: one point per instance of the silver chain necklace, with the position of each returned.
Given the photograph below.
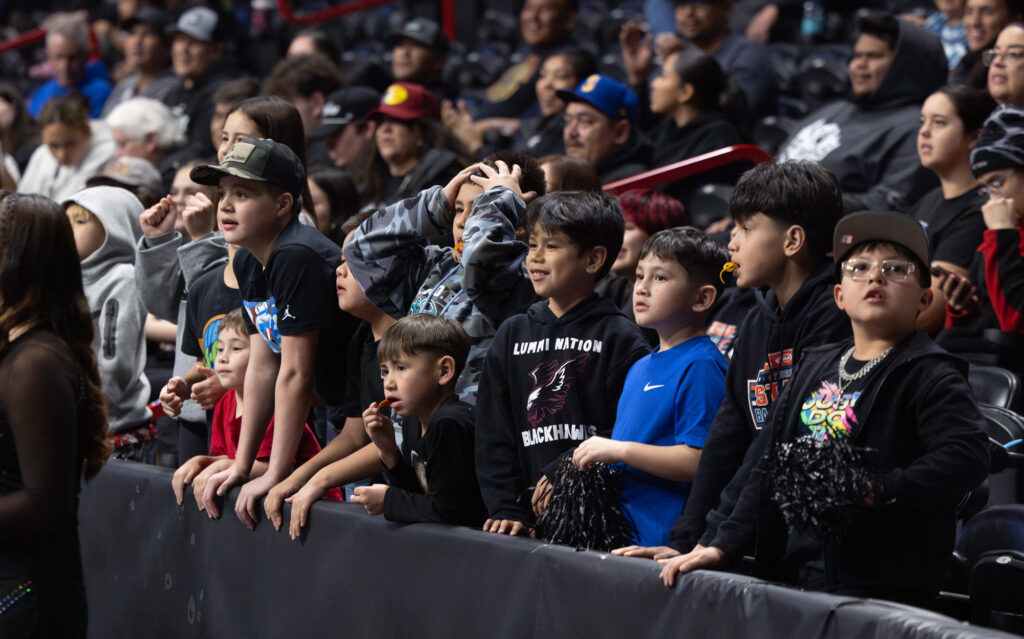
(845, 379)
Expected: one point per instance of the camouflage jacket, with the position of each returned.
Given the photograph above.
(400, 273)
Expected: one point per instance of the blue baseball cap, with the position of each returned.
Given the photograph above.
(608, 96)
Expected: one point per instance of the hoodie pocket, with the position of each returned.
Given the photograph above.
(109, 328)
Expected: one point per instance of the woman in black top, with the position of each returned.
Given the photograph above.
(695, 97)
(52, 420)
(951, 119)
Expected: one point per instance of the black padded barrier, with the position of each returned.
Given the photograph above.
(155, 570)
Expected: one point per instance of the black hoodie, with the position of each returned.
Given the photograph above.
(921, 433)
(626, 160)
(548, 383)
(871, 143)
(770, 343)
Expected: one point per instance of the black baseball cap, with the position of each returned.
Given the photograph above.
(881, 226)
(344, 107)
(423, 31)
(261, 160)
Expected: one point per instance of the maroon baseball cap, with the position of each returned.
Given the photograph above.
(407, 101)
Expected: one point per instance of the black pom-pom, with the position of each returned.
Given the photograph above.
(586, 509)
(815, 483)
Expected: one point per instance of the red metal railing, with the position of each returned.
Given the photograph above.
(691, 166)
(284, 6)
(28, 38)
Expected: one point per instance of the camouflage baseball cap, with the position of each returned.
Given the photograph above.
(256, 159)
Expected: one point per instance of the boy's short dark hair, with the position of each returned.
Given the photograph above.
(792, 193)
(532, 177)
(588, 218)
(234, 321)
(702, 257)
(422, 332)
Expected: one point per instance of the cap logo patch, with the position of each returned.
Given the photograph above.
(239, 153)
(396, 94)
(847, 239)
(331, 109)
(590, 84)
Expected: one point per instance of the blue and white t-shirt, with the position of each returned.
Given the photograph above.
(669, 398)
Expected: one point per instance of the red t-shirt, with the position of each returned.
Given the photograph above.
(227, 429)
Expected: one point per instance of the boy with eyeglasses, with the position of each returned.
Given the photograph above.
(902, 401)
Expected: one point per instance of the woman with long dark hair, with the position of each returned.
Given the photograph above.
(53, 425)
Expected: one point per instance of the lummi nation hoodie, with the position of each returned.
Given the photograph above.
(119, 318)
(547, 384)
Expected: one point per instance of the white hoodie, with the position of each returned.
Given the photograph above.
(119, 316)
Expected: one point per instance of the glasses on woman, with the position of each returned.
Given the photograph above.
(1012, 55)
(860, 268)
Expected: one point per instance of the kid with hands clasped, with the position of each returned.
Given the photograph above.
(432, 478)
(671, 396)
(902, 401)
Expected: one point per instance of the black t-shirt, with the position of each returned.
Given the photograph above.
(954, 226)
(209, 300)
(364, 383)
(827, 412)
(295, 294)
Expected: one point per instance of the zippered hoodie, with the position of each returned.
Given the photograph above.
(119, 317)
(771, 341)
(921, 432)
(401, 275)
(871, 142)
(548, 383)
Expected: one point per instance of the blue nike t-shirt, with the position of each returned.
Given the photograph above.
(669, 398)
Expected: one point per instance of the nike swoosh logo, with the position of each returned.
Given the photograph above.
(648, 386)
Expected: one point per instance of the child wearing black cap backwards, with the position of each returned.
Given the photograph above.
(902, 401)
(285, 273)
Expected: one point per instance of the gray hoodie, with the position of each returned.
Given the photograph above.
(120, 319)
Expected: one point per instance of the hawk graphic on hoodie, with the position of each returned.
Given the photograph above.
(551, 383)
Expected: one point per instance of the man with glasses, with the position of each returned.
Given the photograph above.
(1005, 62)
(983, 20)
(995, 282)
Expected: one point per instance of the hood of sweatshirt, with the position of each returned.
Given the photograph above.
(118, 211)
(586, 312)
(918, 69)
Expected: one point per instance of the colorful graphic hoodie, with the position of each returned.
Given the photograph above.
(921, 435)
(119, 317)
(401, 274)
(548, 383)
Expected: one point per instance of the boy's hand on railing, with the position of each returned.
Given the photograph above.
(647, 552)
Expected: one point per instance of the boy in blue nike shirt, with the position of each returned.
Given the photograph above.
(670, 396)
